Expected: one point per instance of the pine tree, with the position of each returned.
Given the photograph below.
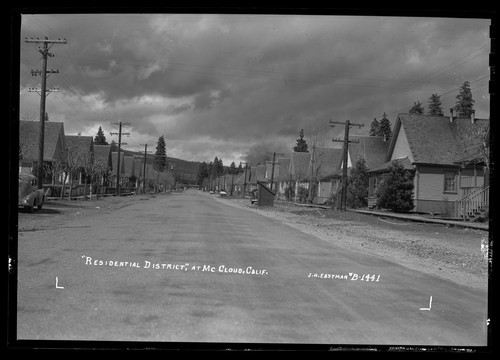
(232, 168)
(417, 109)
(465, 102)
(435, 108)
(240, 169)
(396, 190)
(374, 127)
(219, 167)
(100, 139)
(301, 145)
(357, 188)
(160, 158)
(385, 129)
(202, 173)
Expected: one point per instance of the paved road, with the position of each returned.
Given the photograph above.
(191, 268)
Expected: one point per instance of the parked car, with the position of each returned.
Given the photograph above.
(223, 193)
(29, 194)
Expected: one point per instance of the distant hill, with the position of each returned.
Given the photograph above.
(184, 171)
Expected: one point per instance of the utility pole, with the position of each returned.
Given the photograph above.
(144, 169)
(245, 180)
(119, 133)
(274, 162)
(44, 50)
(346, 141)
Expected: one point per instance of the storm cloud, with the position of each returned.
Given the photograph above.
(233, 85)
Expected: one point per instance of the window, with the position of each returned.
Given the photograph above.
(450, 183)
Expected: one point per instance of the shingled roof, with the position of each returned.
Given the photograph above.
(283, 169)
(299, 165)
(432, 139)
(385, 167)
(372, 148)
(138, 167)
(114, 162)
(326, 162)
(80, 144)
(54, 140)
(128, 164)
(103, 153)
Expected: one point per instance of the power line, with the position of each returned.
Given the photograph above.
(448, 92)
(429, 76)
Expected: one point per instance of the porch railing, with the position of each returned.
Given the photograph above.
(473, 203)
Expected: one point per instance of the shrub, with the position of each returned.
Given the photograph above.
(357, 185)
(302, 193)
(289, 192)
(396, 190)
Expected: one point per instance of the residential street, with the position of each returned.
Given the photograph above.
(191, 268)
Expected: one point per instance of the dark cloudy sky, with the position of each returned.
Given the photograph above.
(238, 86)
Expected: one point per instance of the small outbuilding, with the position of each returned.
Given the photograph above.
(265, 197)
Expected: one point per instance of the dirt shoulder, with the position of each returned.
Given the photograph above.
(449, 252)
(56, 213)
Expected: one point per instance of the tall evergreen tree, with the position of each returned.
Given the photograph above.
(417, 109)
(100, 139)
(160, 158)
(301, 145)
(202, 173)
(374, 127)
(240, 168)
(385, 129)
(232, 168)
(435, 108)
(219, 167)
(465, 102)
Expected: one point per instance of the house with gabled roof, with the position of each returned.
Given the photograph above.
(128, 171)
(296, 176)
(83, 148)
(241, 180)
(102, 154)
(54, 145)
(282, 176)
(114, 168)
(371, 148)
(323, 168)
(137, 170)
(430, 145)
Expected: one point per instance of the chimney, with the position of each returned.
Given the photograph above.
(452, 115)
(473, 117)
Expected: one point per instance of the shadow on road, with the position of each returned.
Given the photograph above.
(40, 211)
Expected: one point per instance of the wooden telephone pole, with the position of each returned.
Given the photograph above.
(119, 133)
(274, 162)
(44, 50)
(342, 200)
(144, 169)
(245, 180)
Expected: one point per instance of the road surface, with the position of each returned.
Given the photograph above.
(190, 268)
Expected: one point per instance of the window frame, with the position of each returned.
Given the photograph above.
(455, 183)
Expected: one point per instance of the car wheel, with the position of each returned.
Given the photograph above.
(39, 207)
